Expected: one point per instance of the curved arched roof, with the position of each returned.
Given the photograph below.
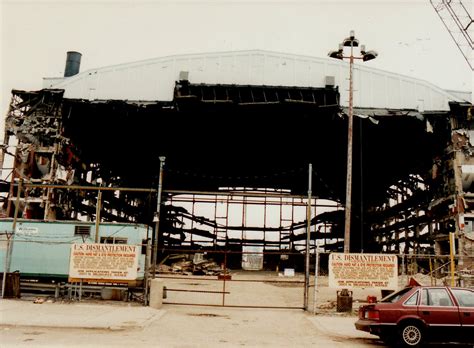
(154, 79)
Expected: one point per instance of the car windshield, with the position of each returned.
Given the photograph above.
(394, 297)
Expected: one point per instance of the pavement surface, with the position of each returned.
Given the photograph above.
(121, 316)
(118, 322)
(76, 315)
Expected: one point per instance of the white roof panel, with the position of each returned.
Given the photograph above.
(154, 79)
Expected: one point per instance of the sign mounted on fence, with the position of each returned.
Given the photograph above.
(363, 271)
(111, 262)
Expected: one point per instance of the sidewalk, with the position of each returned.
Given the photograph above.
(338, 326)
(119, 316)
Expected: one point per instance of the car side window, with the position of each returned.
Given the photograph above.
(424, 297)
(465, 297)
(436, 297)
(413, 300)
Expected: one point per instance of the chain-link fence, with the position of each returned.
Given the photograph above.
(424, 269)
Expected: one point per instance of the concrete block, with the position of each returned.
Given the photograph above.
(156, 293)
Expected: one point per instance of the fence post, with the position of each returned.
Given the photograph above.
(9, 250)
(224, 277)
(403, 264)
(147, 273)
(316, 273)
(451, 256)
(308, 233)
(156, 293)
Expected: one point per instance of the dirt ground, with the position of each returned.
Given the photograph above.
(269, 289)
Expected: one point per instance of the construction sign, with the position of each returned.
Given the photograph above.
(111, 262)
(363, 271)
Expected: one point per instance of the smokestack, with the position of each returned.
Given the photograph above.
(73, 63)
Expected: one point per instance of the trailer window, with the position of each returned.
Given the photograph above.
(113, 240)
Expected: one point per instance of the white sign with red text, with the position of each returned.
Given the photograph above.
(103, 261)
(363, 271)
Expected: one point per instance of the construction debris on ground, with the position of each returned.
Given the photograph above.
(182, 264)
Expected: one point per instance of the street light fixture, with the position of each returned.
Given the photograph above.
(365, 56)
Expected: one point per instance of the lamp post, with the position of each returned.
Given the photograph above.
(351, 42)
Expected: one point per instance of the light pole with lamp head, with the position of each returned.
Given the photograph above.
(351, 42)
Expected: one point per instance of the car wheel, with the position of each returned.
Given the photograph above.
(411, 335)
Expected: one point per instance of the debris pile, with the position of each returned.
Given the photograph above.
(182, 264)
(327, 305)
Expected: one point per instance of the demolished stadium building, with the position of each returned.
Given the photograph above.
(87, 147)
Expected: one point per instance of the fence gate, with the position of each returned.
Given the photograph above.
(199, 285)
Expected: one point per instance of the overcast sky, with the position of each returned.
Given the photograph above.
(35, 35)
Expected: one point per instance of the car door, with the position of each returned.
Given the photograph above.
(440, 313)
(465, 299)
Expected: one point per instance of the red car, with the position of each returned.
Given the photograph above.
(417, 314)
